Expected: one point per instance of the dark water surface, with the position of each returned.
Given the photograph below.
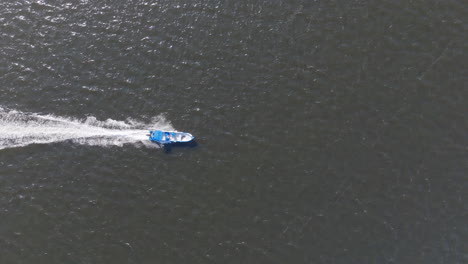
(328, 131)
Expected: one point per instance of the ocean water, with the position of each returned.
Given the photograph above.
(327, 131)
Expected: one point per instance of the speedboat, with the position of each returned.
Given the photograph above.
(170, 137)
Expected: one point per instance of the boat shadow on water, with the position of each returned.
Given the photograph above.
(168, 147)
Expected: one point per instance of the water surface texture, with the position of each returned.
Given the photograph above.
(328, 131)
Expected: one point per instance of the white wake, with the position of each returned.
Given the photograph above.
(18, 129)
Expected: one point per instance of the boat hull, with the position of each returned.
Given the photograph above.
(170, 137)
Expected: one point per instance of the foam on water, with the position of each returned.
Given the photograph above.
(19, 129)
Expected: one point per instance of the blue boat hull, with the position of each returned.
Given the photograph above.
(170, 137)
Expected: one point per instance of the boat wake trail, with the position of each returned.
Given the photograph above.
(18, 129)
